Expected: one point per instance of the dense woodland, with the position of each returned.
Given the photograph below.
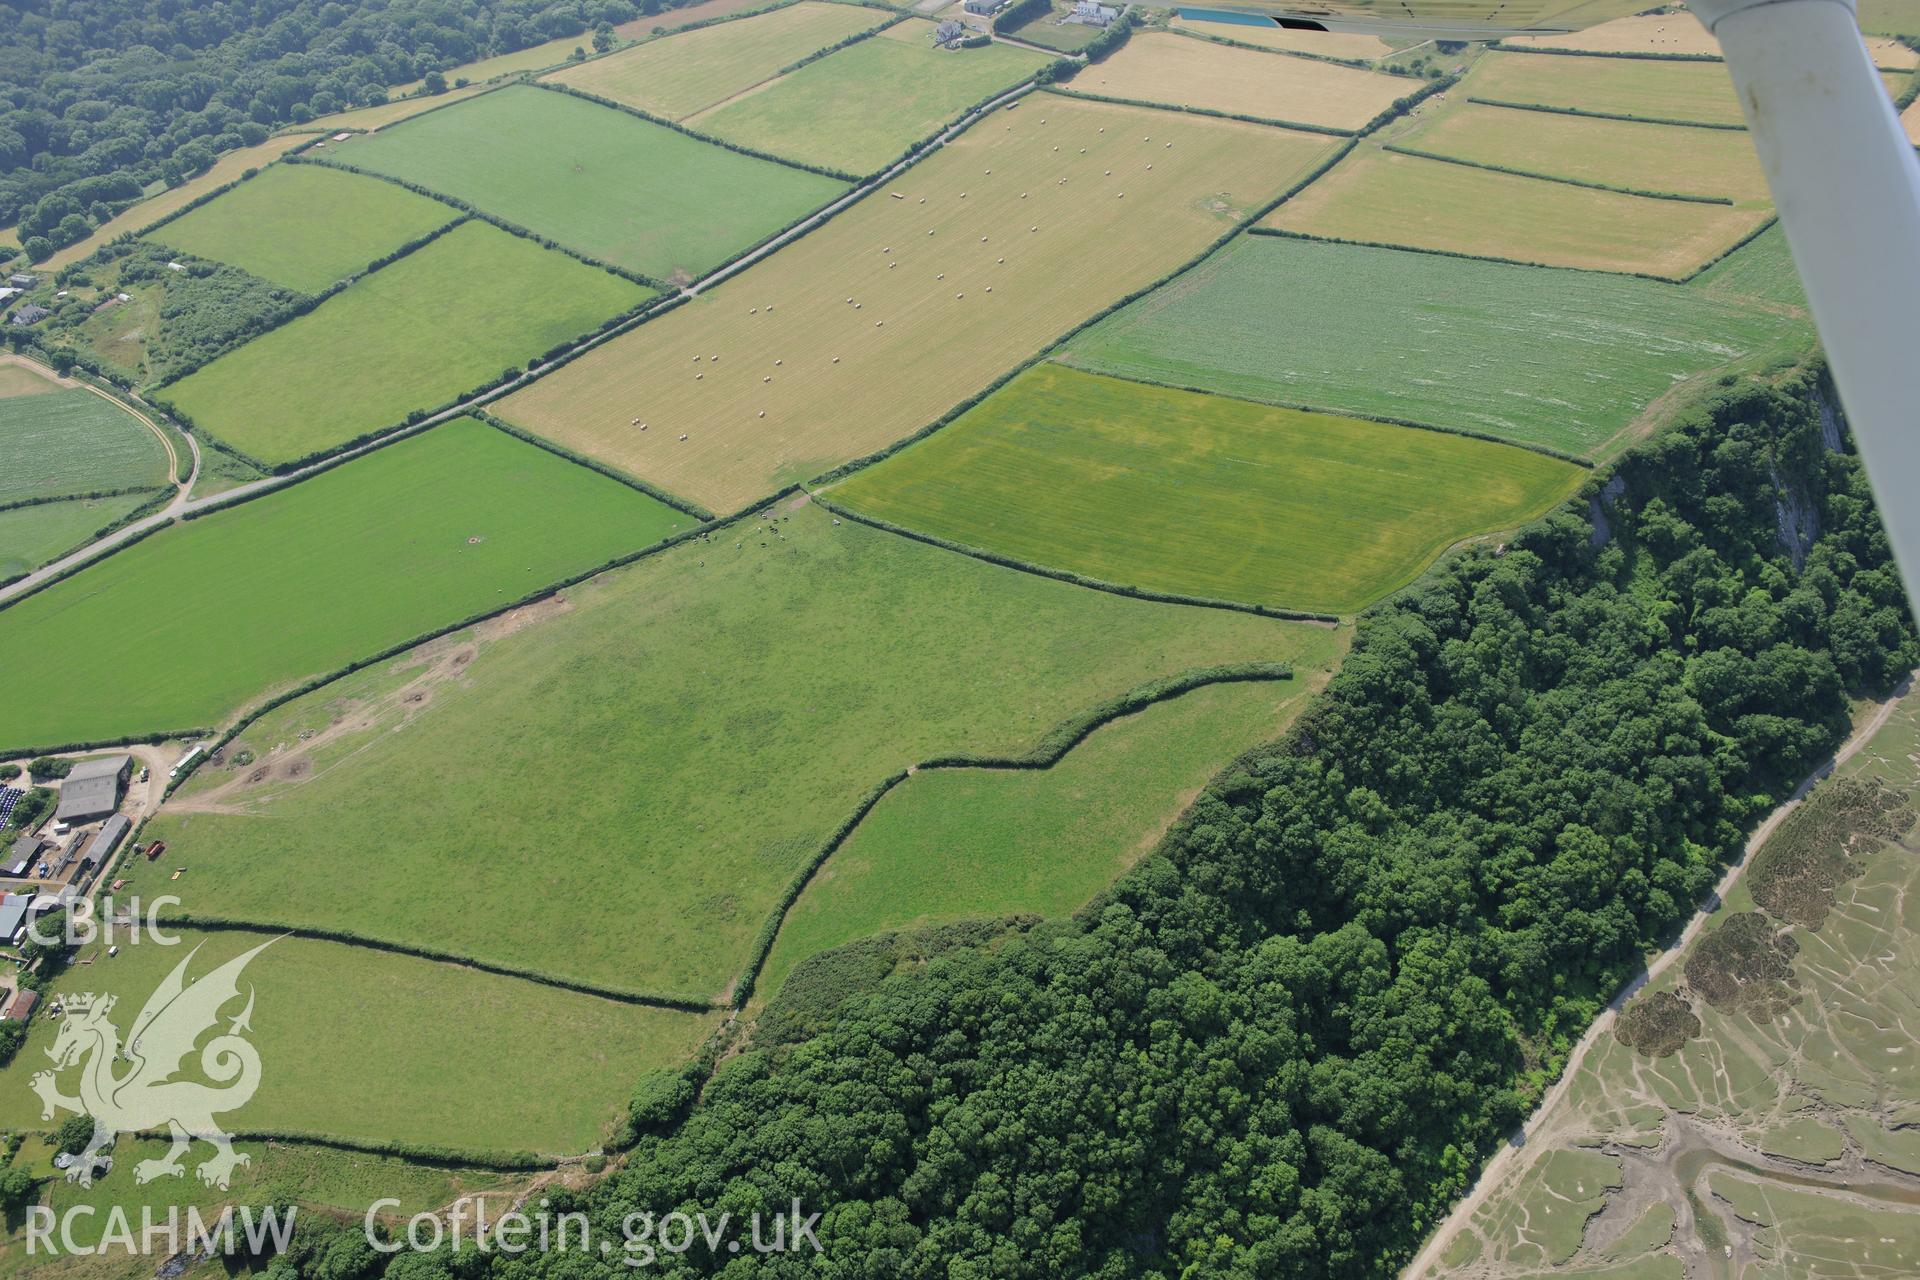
(1280, 1046)
(100, 98)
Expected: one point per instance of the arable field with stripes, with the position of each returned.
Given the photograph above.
(589, 559)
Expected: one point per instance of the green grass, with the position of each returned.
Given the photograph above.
(31, 536)
(597, 180)
(182, 628)
(1763, 271)
(63, 442)
(1047, 30)
(955, 844)
(1566, 359)
(685, 73)
(303, 226)
(620, 790)
(364, 1044)
(414, 335)
(1204, 495)
(859, 109)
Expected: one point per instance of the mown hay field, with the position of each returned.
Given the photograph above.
(1568, 360)
(31, 536)
(1328, 44)
(1163, 67)
(969, 844)
(57, 441)
(1911, 119)
(875, 324)
(689, 732)
(368, 1045)
(449, 317)
(684, 73)
(1204, 495)
(1650, 88)
(859, 109)
(1679, 33)
(182, 628)
(373, 118)
(228, 168)
(601, 182)
(305, 226)
(1385, 198)
(1673, 159)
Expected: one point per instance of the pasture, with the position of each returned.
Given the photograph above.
(603, 183)
(305, 226)
(67, 440)
(1620, 153)
(691, 730)
(230, 167)
(247, 600)
(416, 334)
(679, 75)
(826, 114)
(960, 844)
(1203, 495)
(1761, 272)
(1330, 44)
(1568, 360)
(31, 536)
(369, 1045)
(1890, 17)
(1386, 198)
(1163, 67)
(875, 324)
(1695, 92)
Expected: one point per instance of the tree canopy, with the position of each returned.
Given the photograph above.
(100, 99)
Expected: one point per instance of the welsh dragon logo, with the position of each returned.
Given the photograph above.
(145, 1096)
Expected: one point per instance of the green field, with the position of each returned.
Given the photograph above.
(1567, 359)
(955, 844)
(1049, 32)
(1618, 153)
(618, 788)
(873, 325)
(1653, 89)
(1385, 197)
(183, 628)
(1762, 271)
(303, 226)
(31, 536)
(66, 441)
(827, 112)
(603, 183)
(1204, 495)
(682, 74)
(364, 1044)
(414, 335)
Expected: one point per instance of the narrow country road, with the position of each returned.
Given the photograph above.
(1494, 1176)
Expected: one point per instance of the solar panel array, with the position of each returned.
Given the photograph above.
(9, 797)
